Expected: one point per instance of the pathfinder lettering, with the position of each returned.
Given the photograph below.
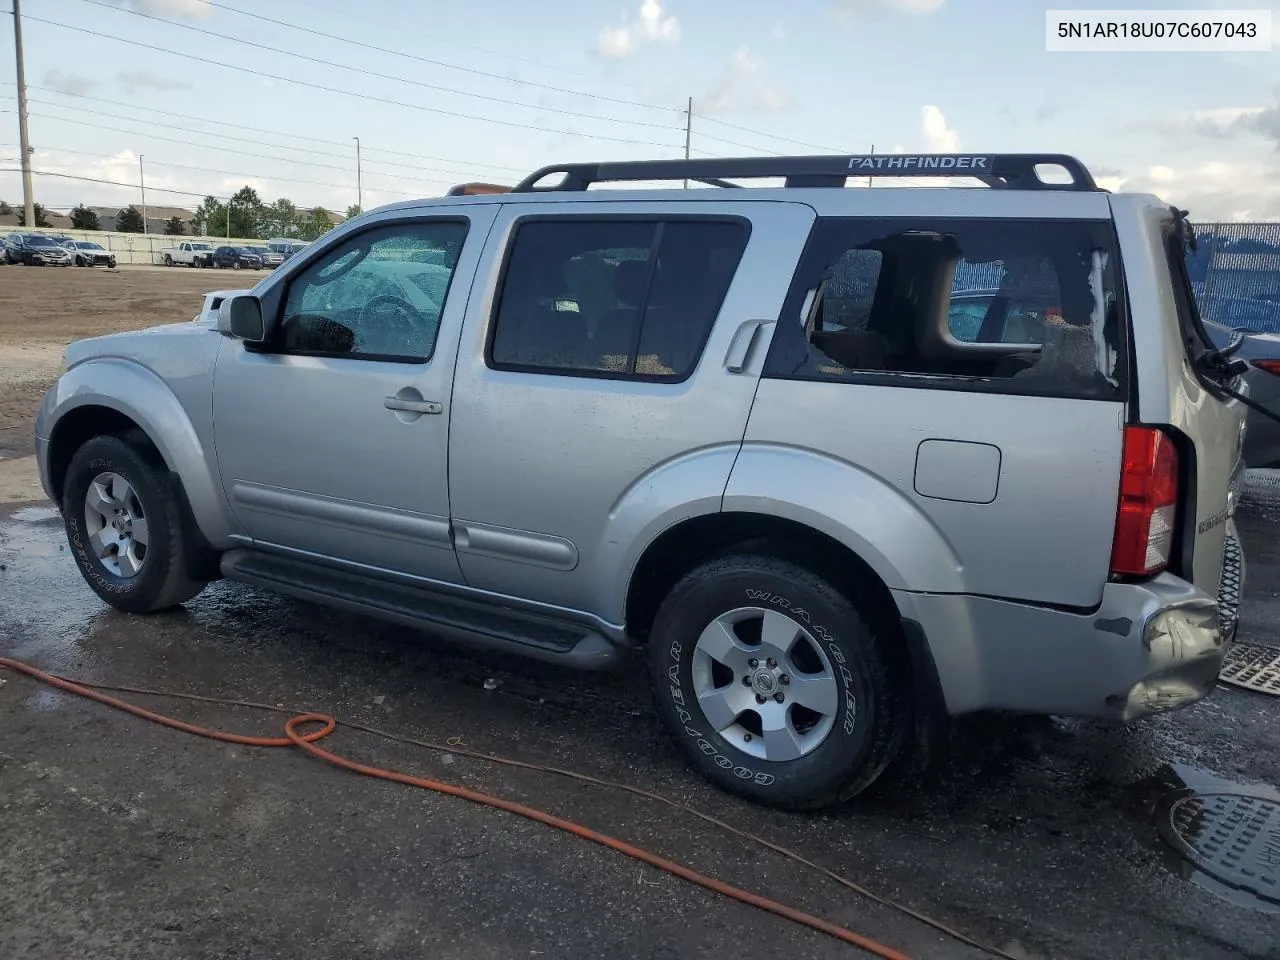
(902, 162)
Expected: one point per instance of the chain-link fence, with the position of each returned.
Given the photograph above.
(1236, 274)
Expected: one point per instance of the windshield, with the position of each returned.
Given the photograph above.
(200, 246)
(40, 242)
(86, 245)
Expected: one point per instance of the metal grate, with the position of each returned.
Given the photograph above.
(1253, 667)
(1230, 836)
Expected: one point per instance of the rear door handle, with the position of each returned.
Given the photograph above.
(412, 406)
(744, 338)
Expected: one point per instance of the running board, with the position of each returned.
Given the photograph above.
(469, 622)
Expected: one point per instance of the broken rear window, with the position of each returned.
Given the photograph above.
(1008, 305)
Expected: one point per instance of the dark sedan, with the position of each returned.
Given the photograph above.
(1262, 350)
(237, 258)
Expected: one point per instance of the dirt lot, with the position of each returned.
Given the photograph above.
(42, 309)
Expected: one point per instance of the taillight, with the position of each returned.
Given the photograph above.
(1271, 366)
(1143, 540)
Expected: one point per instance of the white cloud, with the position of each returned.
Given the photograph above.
(182, 9)
(938, 136)
(651, 25)
(147, 79)
(69, 83)
(1216, 190)
(742, 86)
(847, 11)
(780, 31)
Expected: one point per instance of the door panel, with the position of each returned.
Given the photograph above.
(540, 459)
(335, 440)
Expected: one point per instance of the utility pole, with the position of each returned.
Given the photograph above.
(146, 232)
(229, 199)
(873, 153)
(688, 133)
(28, 195)
(359, 183)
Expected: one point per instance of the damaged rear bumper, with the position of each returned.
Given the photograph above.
(1150, 647)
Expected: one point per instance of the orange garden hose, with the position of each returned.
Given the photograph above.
(307, 741)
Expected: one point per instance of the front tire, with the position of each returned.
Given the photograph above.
(776, 685)
(123, 518)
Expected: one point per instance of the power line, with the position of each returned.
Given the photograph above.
(246, 153)
(273, 133)
(207, 133)
(401, 28)
(235, 173)
(347, 93)
(441, 63)
(373, 73)
(761, 133)
(113, 183)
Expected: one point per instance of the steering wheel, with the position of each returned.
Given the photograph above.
(395, 322)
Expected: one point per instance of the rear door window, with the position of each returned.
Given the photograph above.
(998, 305)
(633, 298)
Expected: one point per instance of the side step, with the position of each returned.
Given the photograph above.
(471, 622)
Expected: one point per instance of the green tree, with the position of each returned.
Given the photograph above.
(316, 223)
(130, 221)
(82, 218)
(5, 209)
(354, 211)
(280, 219)
(211, 219)
(175, 227)
(38, 210)
(246, 213)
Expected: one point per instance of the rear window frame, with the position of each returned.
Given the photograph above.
(797, 293)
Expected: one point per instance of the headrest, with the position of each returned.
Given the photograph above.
(629, 279)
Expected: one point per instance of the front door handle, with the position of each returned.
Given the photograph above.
(412, 406)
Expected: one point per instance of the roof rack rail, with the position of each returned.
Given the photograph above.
(1010, 171)
(477, 189)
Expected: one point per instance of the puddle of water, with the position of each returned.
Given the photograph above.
(1176, 778)
(35, 514)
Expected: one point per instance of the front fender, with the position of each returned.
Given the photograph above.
(687, 486)
(131, 389)
(868, 515)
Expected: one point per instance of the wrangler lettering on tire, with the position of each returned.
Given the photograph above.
(774, 683)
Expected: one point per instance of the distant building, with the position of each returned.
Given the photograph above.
(157, 217)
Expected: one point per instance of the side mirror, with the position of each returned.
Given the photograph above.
(240, 316)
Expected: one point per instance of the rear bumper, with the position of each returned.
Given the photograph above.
(1149, 648)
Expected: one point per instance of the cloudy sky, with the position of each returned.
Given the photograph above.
(215, 94)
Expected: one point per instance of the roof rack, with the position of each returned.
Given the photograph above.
(1009, 171)
(477, 189)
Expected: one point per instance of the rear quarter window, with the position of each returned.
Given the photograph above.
(1012, 306)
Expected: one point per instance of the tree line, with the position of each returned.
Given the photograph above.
(245, 215)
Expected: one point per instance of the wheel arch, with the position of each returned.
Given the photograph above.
(114, 397)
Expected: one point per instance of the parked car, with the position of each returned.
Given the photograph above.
(236, 258)
(270, 258)
(286, 247)
(38, 250)
(192, 253)
(736, 430)
(1262, 351)
(14, 245)
(86, 253)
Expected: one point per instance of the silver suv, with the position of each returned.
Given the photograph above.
(844, 460)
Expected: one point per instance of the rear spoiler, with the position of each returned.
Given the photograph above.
(476, 189)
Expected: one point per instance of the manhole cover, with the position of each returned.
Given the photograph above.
(1253, 667)
(1233, 837)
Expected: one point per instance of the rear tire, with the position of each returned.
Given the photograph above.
(168, 260)
(717, 690)
(143, 566)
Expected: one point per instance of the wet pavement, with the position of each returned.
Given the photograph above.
(122, 839)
